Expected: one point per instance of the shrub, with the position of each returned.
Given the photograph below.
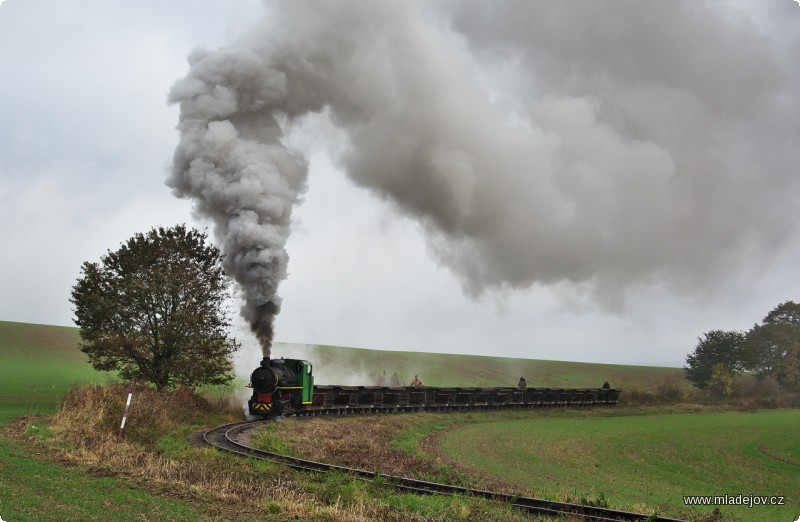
(670, 389)
(92, 412)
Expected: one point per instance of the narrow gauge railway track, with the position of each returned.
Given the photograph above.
(225, 438)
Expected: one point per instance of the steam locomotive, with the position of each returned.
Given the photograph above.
(286, 387)
(281, 387)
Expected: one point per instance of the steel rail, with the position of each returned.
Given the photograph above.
(225, 438)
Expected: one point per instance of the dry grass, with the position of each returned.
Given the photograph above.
(366, 442)
(358, 442)
(84, 433)
(90, 414)
(769, 403)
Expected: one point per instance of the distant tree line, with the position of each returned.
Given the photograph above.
(770, 350)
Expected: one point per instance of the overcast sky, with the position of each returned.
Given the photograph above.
(586, 181)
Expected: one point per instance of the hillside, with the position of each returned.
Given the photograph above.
(46, 361)
(40, 363)
(352, 366)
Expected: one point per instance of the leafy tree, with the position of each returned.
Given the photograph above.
(788, 373)
(773, 347)
(716, 347)
(155, 310)
(764, 350)
(721, 381)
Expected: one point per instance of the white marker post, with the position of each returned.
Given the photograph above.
(121, 431)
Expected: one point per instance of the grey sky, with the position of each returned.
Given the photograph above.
(645, 155)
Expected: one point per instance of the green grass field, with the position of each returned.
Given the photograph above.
(652, 460)
(41, 362)
(37, 490)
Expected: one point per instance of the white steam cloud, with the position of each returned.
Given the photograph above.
(607, 145)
